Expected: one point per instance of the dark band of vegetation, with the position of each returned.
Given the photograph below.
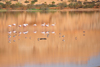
(45, 6)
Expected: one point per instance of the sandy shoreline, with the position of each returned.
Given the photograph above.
(80, 9)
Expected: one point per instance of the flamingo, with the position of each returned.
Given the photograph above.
(47, 32)
(19, 26)
(43, 32)
(9, 40)
(35, 31)
(14, 31)
(35, 25)
(20, 32)
(43, 24)
(35, 28)
(47, 25)
(53, 26)
(24, 25)
(9, 32)
(53, 32)
(9, 27)
(13, 26)
(42, 28)
(19, 35)
(25, 32)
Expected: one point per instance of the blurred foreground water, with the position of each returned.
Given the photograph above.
(74, 41)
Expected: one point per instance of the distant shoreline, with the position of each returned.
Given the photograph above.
(80, 9)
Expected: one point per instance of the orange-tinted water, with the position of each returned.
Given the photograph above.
(79, 46)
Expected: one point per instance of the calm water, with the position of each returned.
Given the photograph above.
(67, 39)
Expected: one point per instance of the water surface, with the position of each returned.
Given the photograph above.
(74, 41)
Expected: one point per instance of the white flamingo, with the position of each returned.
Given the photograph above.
(47, 32)
(35, 25)
(47, 25)
(19, 26)
(9, 32)
(53, 27)
(9, 26)
(35, 31)
(43, 32)
(43, 24)
(35, 28)
(24, 25)
(14, 31)
(19, 35)
(25, 32)
(20, 32)
(53, 32)
(53, 24)
(13, 26)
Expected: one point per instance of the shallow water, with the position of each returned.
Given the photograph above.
(74, 41)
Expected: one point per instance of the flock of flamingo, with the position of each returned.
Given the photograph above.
(25, 25)
(12, 29)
